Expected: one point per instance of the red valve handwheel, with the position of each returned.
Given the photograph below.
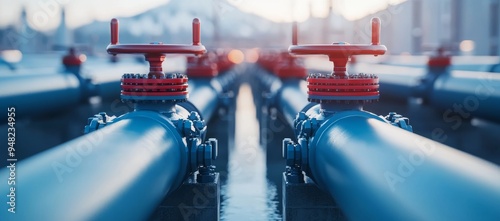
(155, 86)
(339, 86)
(339, 53)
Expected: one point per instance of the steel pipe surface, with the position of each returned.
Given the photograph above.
(204, 96)
(205, 93)
(38, 94)
(119, 172)
(376, 171)
(466, 93)
(292, 98)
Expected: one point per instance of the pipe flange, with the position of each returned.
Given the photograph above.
(347, 89)
(202, 154)
(154, 88)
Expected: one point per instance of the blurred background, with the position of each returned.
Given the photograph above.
(465, 27)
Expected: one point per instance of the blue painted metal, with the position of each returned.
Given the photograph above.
(204, 95)
(462, 94)
(398, 83)
(39, 94)
(399, 175)
(94, 177)
(363, 159)
(292, 98)
(207, 94)
(124, 166)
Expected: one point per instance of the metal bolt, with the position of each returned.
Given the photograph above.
(186, 127)
(199, 125)
(103, 116)
(193, 115)
(302, 116)
(215, 147)
(170, 76)
(285, 144)
(290, 154)
(207, 154)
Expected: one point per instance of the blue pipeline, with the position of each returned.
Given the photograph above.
(288, 95)
(376, 171)
(39, 94)
(465, 94)
(204, 95)
(399, 83)
(361, 159)
(292, 98)
(207, 94)
(140, 157)
(458, 93)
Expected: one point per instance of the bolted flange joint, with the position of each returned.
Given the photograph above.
(201, 158)
(193, 127)
(305, 126)
(399, 121)
(293, 153)
(140, 88)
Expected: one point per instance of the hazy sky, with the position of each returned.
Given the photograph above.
(45, 14)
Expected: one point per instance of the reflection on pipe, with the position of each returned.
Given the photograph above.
(463, 93)
(94, 176)
(401, 176)
(39, 94)
(361, 159)
(206, 94)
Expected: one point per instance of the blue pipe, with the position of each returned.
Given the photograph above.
(292, 98)
(398, 83)
(205, 94)
(361, 159)
(288, 95)
(464, 93)
(94, 177)
(376, 171)
(38, 94)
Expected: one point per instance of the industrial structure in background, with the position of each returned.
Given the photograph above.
(351, 137)
(419, 26)
(412, 27)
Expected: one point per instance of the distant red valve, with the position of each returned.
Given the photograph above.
(69, 60)
(339, 86)
(223, 62)
(72, 58)
(439, 60)
(155, 86)
(289, 67)
(268, 60)
(202, 66)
